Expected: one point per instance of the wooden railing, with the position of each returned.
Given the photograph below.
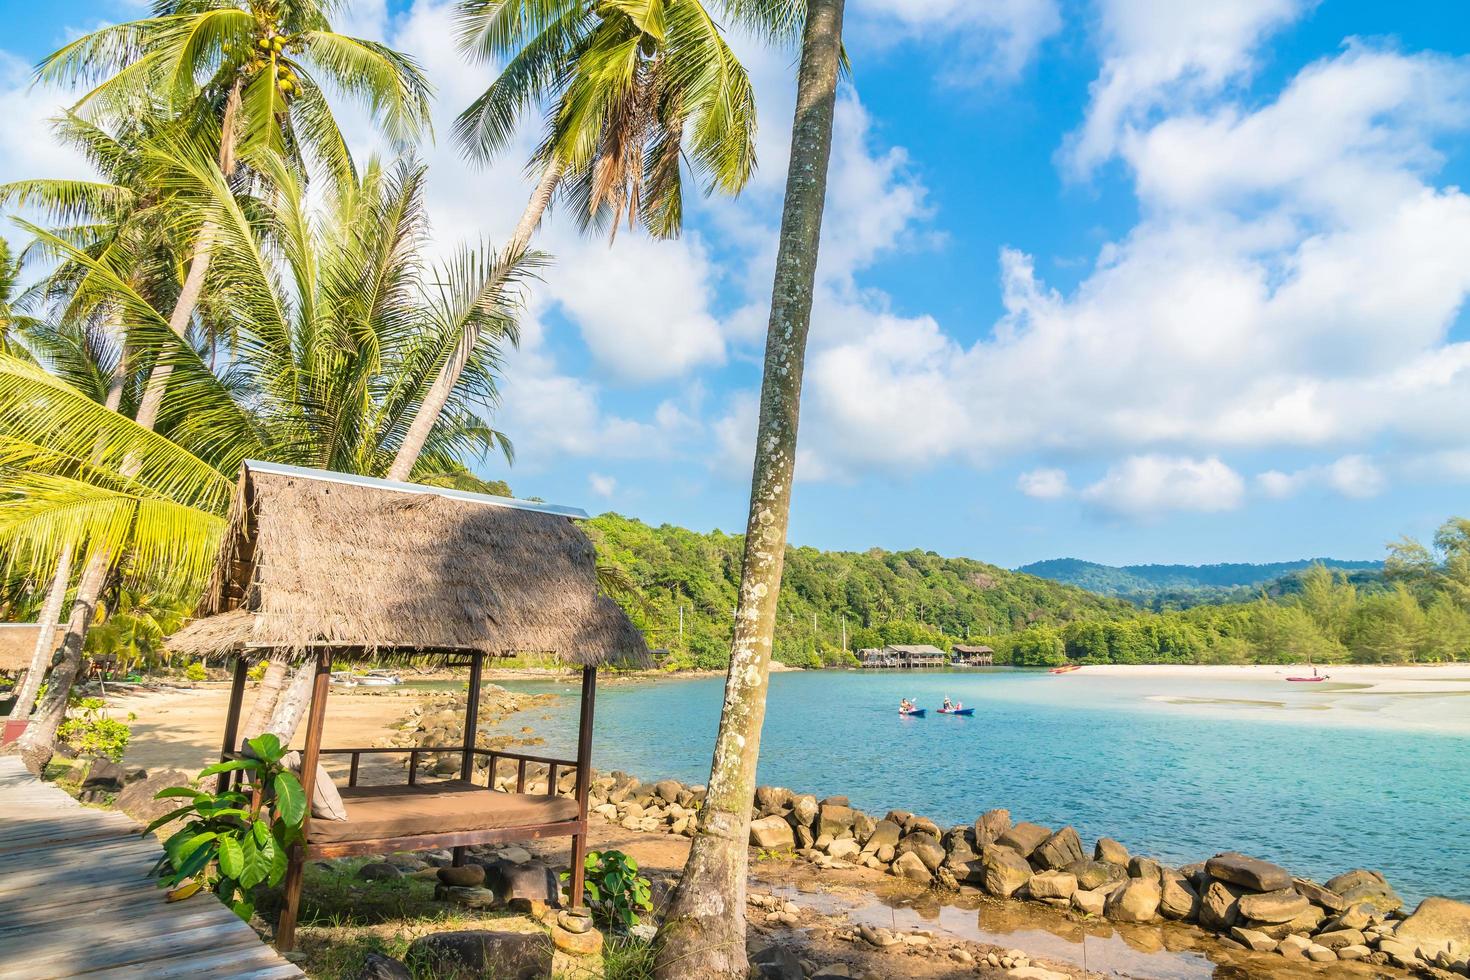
(554, 767)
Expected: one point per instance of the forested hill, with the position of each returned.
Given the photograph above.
(1184, 585)
(885, 597)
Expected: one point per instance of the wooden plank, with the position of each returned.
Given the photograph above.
(75, 900)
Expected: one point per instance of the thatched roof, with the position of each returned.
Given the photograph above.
(375, 569)
(966, 648)
(18, 644)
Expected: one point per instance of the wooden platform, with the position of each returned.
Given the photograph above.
(74, 901)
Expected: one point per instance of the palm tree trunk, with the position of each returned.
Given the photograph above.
(266, 695)
(703, 933)
(438, 394)
(35, 745)
(25, 698)
(291, 706)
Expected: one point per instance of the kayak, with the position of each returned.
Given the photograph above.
(916, 713)
(957, 711)
(1308, 680)
(1065, 669)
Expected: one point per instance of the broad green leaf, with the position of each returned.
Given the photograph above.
(290, 799)
(266, 747)
(230, 766)
(166, 818)
(231, 857)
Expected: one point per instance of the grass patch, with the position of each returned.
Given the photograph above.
(627, 958)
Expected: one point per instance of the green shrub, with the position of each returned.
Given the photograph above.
(196, 673)
(233, 841)
(257, 672)
(614, 889)
(92, 732)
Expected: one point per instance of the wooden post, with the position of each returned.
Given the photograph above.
(296, 863)
(232, 719)
(471, 727)
(584, 784)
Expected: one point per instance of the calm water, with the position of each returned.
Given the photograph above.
(1171, 767)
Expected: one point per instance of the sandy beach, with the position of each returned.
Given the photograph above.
(181, 727)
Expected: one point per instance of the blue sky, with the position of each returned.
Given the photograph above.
(1127, 280)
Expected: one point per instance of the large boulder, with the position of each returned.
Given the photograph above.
(884, 832)
(495, 953)
(376, 966)
(844, 849)
(1248, 872)
(1272, 907)
(136, 798)
(909, 865)
(862, 826)
(770, 799)
(1090, 902)
(834, 819)
(1219, 906)
(772, 834)
(1053, 884)
(1111, 851)
(1143, 867)
(1366, 887)
(668, 790)
(929, 850)
(916, 824)
(1003, 871)
(990, 825)
(775, 963)
(1095, 874)
(1320, 896)
(1437, 920)
(1136, 901)
(1024, 838)
(1058, 850)
(804, 809)
(530, 881)
(1177, 899)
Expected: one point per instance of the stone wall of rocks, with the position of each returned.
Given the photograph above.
(1248, 902)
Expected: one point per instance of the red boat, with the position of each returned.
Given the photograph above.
(1065, 669)
(1308, 680)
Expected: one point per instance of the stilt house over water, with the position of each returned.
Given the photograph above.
(329, 569)
(902, 656)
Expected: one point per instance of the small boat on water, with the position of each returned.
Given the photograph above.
(914, 713)
(957, 711)
(1065, 669)
(344, 678)
(378, 678)
(1308, 680)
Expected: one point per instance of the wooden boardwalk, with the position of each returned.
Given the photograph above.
(74, 901)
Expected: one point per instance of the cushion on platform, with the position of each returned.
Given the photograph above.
(450, 806)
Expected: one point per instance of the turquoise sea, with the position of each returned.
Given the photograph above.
(1319, 780)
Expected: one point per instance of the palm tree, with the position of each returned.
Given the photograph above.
(623, 82)
(703, 933)
(246, 74)
(328, 324)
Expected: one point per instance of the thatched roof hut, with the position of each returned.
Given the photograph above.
(18, 644)
(375, 569)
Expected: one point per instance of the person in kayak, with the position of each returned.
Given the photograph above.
(949, 705)
(905, 704)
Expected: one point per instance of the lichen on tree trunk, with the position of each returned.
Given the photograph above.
(703, 934)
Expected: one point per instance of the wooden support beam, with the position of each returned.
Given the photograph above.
(311, 753)
(584, 784)
(232, 719)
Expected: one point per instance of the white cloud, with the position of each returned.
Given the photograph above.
(1163, 53)
(1291, 283)
(1355, 476)
(1044, 484)
(1149, 485)
(1000, 36)
(603, 486)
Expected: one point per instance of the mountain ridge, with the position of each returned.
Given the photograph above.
(1134, 581)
